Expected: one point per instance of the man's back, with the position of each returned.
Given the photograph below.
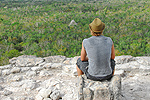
(98, 49)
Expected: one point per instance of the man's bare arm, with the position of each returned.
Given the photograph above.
(113, 52)
(83, 54)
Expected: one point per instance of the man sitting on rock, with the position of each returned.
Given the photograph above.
(97, 54)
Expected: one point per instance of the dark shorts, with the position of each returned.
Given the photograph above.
(83, 66)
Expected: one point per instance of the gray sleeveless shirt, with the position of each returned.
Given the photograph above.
(98, 49)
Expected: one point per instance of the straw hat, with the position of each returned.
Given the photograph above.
(97, 25)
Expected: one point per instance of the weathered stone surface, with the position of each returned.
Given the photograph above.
(16, 84)
(25, 69)
(136, 87)
(5, 67)
(143, 60)
(53, 66)
(88, 94)
(24, 82)
(80, 88)
(47, 65)
(126, 67)
(13, 78)
(120, 72)
(55, 95)
(101, 93)
(56, 66)
(0, 72)
(99, 90)
(25, 60)
(6, 92)
(144, 68)
(15, 70)
(123, 59)
(45, 93)
(51, 83)
(36, 68)
(31, 73)
(42, 64)
(1, 88)
(67, 61)
(14, 89)
(45, 73)
(70, 69)
(54, 59)
(116, 87)
(8, 98)
(23, 98)
(39, 97)
(1, 80)
(73, 61)
(47, 99)
(29, 85)
(6, 72)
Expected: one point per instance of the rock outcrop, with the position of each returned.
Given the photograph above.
(55, 78)
(99, 90)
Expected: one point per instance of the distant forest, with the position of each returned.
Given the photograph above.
(41, 27)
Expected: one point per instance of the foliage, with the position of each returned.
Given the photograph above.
(41, 27)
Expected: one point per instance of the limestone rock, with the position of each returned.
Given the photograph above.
(42, 64)
(101, 93)
(16, 84)
(88, 94)
(8, 98)
(80, 88)
(25, 69)
(120, 72)
(0, 72)
(23, 98)
(67, 61)
(56, 66)
(136, 87)
(55, 95)
(15, 70)
(53, 66)
(143, 60)
(6, 92)
(100, 90)
(47, 65)
(116, 87)
(45, 93)
(13, 78)
(44, 73)
(74, 60)
(70, 69)
(1, 88)
(36, 68)
(25, 76)
(54, 59)
(31, 73)
(51, 83)
(5, 67)
(6, 72)
(39, 97)
(14, 89)
(123, 59)
(26, 61)
(1, 80)
(125, 67)
(29, 85)
(47, 99)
